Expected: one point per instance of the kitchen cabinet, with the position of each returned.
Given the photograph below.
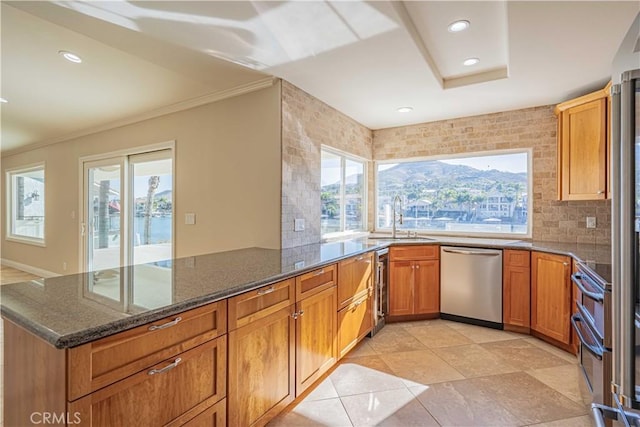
(355, 304)
(414, 280)
(583, 147)
(355, 278)
(551, 297)
(516, 286)
(261, 353)
(121, 379)
(316, 327)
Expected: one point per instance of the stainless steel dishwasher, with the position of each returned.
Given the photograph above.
(471, 285)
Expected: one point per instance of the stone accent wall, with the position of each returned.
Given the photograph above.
(553, 220)
(308, 123)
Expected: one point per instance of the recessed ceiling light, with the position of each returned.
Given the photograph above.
(3, 101)
(70, 56)
(471, 61)
(457, 26)
(404, 109)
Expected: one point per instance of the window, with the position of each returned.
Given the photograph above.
(342, 193)
(25, 204)
(482, 193)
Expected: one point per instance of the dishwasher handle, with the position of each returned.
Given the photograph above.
(468, 252)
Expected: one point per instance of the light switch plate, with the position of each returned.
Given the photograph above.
(189, 218)
(591, 222)
(298, 224)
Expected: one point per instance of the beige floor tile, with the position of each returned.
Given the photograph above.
(323, 390)
(362, 349)
(387, 408)
(395, 339)
(479, 334)
(583, 421)
(364, 375)
(567, 379)
(572, 358)
(329, 412)
(420, 367)
(475, 361)
(521, 353)
(437, 335)
(460, 403)
(528, 399)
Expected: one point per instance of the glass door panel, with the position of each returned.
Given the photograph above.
(103, 222)
(151, 228)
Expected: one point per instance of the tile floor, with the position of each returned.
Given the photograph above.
(438, 372)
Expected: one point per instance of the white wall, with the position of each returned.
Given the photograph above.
(227, 171)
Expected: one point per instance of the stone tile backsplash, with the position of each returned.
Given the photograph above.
(308, 123)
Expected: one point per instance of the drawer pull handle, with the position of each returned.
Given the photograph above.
(297, 314)
(360, 258)
(169, 367)
(266, 291)
(174, 322)
(319, 272)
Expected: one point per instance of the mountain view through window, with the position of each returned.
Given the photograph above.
(483, 194)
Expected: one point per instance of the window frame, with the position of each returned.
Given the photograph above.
(528, 151)
(9, 199)
(344, 156)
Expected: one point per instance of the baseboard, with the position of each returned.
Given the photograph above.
(28, 268)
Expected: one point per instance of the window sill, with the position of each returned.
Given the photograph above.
(27, 241)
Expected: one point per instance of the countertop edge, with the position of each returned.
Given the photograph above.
(78, 338)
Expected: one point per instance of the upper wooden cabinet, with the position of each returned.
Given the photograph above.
(551, 296)
(583, 147)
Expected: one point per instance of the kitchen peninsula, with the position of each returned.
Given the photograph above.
(214, 301)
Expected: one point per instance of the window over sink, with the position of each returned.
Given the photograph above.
(485, 194)
(343, 192)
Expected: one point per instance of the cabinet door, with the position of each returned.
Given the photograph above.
(516, 298)
(401, 288)
(315, 337)
(261, 369)
(551, 296)
(584, 141)
(426, 286)
(355, 278)
(354, 322)
(170, 392)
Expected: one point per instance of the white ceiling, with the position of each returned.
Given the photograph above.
(363, 58)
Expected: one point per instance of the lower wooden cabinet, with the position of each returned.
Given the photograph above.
(171, 392)
(551, 296)
(414, 287)
(316, 349)
(516, 296)
(354, 322)
(261, 368)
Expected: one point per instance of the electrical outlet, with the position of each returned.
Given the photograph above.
(298, 224)
(64, 266)
(298, 265)
(591, 222)
(189, 218)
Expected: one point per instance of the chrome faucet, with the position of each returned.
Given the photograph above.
(397, 199)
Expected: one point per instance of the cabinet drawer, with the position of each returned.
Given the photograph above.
(516, 258)
(404, 253)
(315, 281)
(97, 364)
(214, 416)
(355, 278)
(354, 322)
(254, 305)
(174, 390)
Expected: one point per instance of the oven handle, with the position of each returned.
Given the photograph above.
(596, 296)
(593, 348)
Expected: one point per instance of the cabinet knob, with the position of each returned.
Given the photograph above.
(600, 192)
(566, 264)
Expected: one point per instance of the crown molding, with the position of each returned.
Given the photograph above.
(169, 109)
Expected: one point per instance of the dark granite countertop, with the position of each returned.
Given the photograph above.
(71, 310)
